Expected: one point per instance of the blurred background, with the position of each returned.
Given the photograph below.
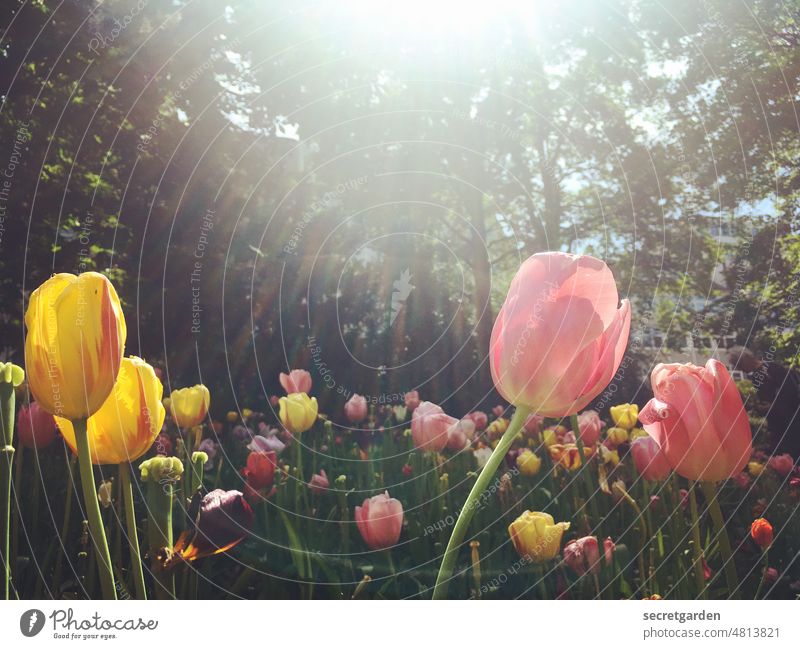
(349, 186)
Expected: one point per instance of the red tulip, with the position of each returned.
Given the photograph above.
(590, 425)
(356, 409)
(407, 469)
(260, 469)
(36, 427)
(560, 335)
(380, 521)
(583, 555)
(649, 459)
(430, 426)
(761, 532)
(698, 419)
(781, 464)
(296, 381)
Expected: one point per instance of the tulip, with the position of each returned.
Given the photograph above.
(296, 381)
(430, 426)
(319, 483)
(411, 399)
(560, 335)
(380, 521)
(400, 412)
(616, 436)
(742, 480)
(407, 469)
(781, 464)
(129, 421)
(761, 532)
(536, 537)
(266, 443)
(242, 433)
(189, 406)
(608, 550)
(583, 555)
(232, 417)
(590, 426)
(480, 419)
(224, 518)
(650, 461)
(163, 444)
(274, 400)
(460, 434)
(528, 463)
(698, 420)
(246, 413)
(625, 415)
(755, 468)
(566, 455)
(770, 575)
(498, 411)
(497, 428)
(260, 469)
(105, 494)
(636, 433)
(356, 409)
(73, 350)
(298, 412)
(532, 425)
(36, 427)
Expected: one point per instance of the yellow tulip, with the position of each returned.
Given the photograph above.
(625, 415)
(76, 337)
(189, 406)
(637, 433)
(298, 412)
(528, 463)
(128, 422)
(246, 413)
(755, 468)
(232, 417)
(536, 536)
(617, 436)
(566, 455)
(497, 427)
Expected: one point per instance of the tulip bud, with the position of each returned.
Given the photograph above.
(761, 532)
(356, 409)
(528, 463)
(189, 406)
(650, 461)
(161, 470)
(296, 381)
(232, 417)
(625, 415)
(781, 464)
(36, 427)
(319, 483)
(380, 521)
(298, 412)
(260, 469)
(411, 400)
(590, 425)
(246, 413)
(480, 420)
(536, 536)
(770, 575)
(583, 555)
(616, 436)
(755, 468)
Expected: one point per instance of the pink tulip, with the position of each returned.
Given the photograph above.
(583, 555)
(430, 426)
(533, 424)
(590, 426)
(698, 419)
(781, 464)
(296, 381)
(650, 461)
(480, 419)
(319, 482)
(411, 400)
(36, 427)
(380, 521)
(460, 433)
(560, 335)
(742, 480)
(356, 409)
(498, 411)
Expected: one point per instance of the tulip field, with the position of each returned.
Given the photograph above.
(379, 301)
(539, 499)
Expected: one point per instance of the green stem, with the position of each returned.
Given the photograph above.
(65, 523)
(468, 511)
(762, 581)
(197, 468)
(710, 490)
(96, 530)
(6, 439)
(16, 519)
(587, 479)
(159, 535)
(130, 526)
(697, 550)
